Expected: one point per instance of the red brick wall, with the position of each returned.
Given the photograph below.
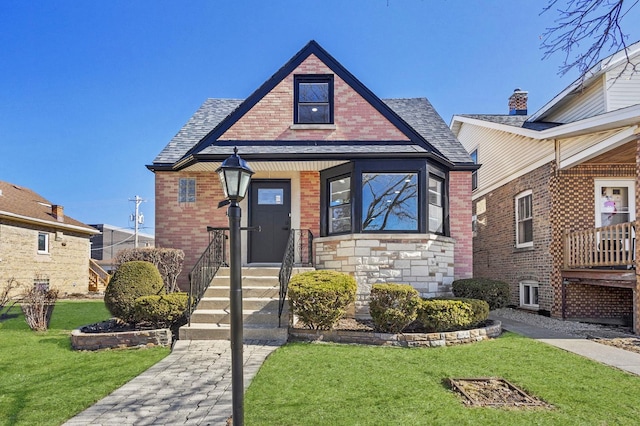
(573, 195)
(184, 225)
(310, 202)
(589, 301)
(460, 223)
(272, 116)
(494, 252)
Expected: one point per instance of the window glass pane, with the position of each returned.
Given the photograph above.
(389, 201)
(340, 218)
(524, 217)
(313, 113)
(313, 92)
(187, 190)
(340, 205)
(42, 242)
(436, 211)
(270, 196)
(340, 191)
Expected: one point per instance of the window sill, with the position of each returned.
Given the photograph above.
(523, 249)
(313, 127)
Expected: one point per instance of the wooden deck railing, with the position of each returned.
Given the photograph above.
(98, 277)
(612, 245)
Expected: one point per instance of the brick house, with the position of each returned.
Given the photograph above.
(41, 246)
(556, 197)
(383, 186)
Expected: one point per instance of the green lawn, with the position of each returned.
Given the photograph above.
(44, 382)
(329, 384)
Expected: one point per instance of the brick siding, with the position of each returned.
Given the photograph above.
(494, 252)
(272, 116)
(460, 222)
(562, 201)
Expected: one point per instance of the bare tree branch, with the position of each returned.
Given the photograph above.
(594, 23)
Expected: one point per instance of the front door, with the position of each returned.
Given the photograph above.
(270, 209)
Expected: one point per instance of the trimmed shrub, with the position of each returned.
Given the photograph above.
(161, 310)
(393, 306)
(495, 293)
(168, 261)
(445, 315)
(320, 298)
(130, 281)
(479, 307)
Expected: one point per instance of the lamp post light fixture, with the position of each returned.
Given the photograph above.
(235, 176)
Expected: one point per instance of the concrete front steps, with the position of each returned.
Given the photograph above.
(260, 289)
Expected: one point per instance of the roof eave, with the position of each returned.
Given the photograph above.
(59, 225)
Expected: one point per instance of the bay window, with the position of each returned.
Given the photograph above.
(369, 196)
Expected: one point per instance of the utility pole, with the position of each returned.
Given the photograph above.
(138, 218)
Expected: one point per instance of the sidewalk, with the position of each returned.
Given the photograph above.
(609, 355)
(191, 386)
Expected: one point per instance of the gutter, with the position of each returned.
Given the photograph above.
(58, 225)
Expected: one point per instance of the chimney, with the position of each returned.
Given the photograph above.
(58, 212)
(518, 102)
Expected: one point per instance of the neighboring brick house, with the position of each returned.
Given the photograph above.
(39, 245)
(555, 199)
(383, 185)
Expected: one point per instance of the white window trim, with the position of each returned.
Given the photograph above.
(629, 183)
(530, 284)
(518, 197)
(46, 243)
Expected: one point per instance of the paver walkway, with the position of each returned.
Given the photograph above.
(191, 386)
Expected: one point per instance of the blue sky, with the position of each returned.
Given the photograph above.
(90, 92)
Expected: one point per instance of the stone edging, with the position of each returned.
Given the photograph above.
(400, 339)
(122, 339)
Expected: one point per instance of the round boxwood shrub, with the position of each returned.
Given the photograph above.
(479, 307)
(495, 293)
(445, 315)
(393, 306)
(320, 298)
(162, 310)
(130, 281)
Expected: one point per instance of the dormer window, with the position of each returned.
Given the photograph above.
(313, 97)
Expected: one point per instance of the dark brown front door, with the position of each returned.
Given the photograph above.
(270, 209)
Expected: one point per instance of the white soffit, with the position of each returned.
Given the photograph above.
(271, 166)
(601, 147)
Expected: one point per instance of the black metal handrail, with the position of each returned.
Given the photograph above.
(299, 251)
(206, 268)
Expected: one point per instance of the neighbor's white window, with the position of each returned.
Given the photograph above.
(529, 294)
(187, 190)
(43, 242)
(524, 219)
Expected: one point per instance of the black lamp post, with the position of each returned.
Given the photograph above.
(235, 176)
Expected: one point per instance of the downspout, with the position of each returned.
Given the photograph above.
(556, 145)
(636, 290)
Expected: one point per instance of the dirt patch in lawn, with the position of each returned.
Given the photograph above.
(494, 392)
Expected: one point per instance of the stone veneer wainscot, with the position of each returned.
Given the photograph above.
(426, 261)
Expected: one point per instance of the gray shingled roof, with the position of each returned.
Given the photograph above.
(205, 119)
(513, 120)
(417, 113)
(420, 114)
